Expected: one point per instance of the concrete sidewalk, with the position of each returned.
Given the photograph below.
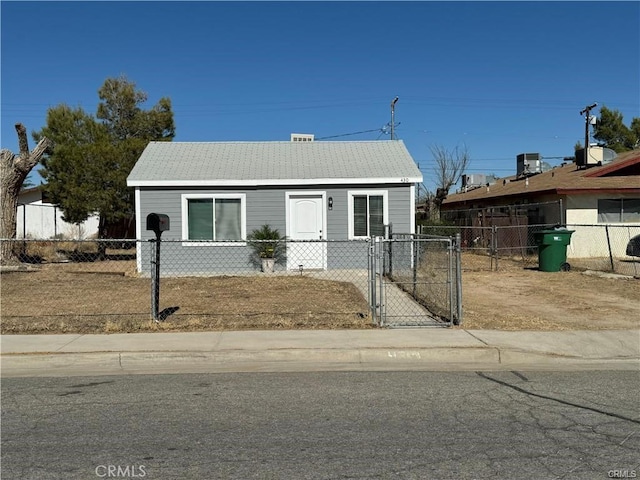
(304, 350)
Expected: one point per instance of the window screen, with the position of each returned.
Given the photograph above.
(368, 215)
(631, 210)
(360, 223)
(376, 216)
(619, 210)
(200, 219)
(228, 219)
(216, 219)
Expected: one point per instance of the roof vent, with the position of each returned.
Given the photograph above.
(302, 137)
(597, 156)
(608, 155)
(528, 164)
(469, 182)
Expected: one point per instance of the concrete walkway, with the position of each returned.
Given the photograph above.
(306, 350)
(400, 308)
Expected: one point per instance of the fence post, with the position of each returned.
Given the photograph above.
(155, 277)
(450, 279)
(561, 216)
(494, 246)
(414, 267)
(390, 249)
(372, 282)
(380, 276)
(606, 229)
(458, 318)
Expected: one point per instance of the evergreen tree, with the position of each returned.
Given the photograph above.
(635, 131)
(611, 131)
(87, 172)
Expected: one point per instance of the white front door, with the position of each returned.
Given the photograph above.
(306, 222)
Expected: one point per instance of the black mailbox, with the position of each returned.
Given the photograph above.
(158, 222)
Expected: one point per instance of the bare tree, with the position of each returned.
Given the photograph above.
(13, 171)
(450, 166)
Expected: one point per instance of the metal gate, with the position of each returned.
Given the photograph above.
(415, 281)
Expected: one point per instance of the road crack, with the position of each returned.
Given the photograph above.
(558, 400)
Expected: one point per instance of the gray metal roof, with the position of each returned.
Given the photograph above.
(273, 163)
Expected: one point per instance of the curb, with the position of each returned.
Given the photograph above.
(292, 360)
(277, 360)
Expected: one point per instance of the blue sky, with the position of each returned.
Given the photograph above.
(500, 78)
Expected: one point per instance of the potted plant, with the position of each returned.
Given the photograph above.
(268, 247)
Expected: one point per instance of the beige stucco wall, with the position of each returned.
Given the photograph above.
(592, 239)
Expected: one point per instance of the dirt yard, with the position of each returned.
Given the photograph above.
(517, 298)
(76, 297)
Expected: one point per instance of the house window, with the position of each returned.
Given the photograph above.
(367, 213)
(217, 218)
(619, 210)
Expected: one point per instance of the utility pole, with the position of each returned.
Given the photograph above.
(393, 108)
(587, 120)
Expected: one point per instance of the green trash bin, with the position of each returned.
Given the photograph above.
(552, 249)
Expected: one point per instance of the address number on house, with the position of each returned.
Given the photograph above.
(404, 180)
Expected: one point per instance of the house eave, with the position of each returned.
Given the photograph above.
(271, 182)
(496, 197)
(589, 191)
(551, 191)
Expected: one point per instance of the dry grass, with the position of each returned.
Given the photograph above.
(79, 298)
(109, 297)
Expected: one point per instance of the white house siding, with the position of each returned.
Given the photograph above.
(592, 239)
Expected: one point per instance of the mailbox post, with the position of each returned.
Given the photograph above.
(158, 223)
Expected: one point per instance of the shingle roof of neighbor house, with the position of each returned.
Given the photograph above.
(621, 175)
(273, 163)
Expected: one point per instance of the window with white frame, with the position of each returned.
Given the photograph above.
(368, 213)
(215, 217)
(619, 210)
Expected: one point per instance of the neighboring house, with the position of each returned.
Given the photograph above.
(606, 193)
(308, 190)
(37, 218)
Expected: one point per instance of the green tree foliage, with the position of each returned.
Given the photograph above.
(87, 171)
(635, 130)
(614, 134)
(70, 171)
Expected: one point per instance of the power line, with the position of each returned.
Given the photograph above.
(354, 133)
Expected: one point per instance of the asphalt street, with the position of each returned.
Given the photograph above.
(324, 425)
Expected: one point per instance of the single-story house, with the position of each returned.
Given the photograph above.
(38, 218)
(219, 192)
(606, 193)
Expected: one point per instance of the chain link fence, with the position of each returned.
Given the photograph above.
(427, 269)
(108, 286)
(607, 248)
